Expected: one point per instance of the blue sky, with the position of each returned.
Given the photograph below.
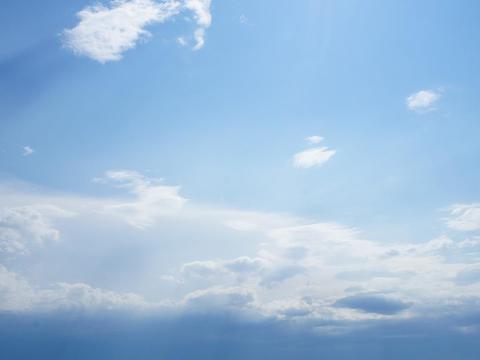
(291, 164)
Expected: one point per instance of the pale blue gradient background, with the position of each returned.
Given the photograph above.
(225, 121)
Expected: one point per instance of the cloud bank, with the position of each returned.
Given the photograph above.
(325, 279)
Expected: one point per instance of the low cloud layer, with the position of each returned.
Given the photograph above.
(325, 277)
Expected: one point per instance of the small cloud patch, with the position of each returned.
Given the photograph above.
(27, 151)
(422, 101)
(316, 156)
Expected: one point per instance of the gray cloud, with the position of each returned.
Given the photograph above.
(373, 304)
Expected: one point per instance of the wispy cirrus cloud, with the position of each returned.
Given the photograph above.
(151, 199)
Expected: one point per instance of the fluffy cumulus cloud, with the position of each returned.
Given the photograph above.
(203, 17)
(105, 32)
(464, 217)
(422, 101)
(17, 294)
(22, 227)
(316, 156)
(366, 280)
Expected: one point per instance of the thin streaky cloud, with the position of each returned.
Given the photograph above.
(152, 201)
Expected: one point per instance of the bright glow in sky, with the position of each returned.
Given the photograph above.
(204, 179)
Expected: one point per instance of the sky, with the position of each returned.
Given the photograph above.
(239, 179)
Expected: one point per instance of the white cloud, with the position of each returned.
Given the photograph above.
(199, 36)
(290, 308)
(265, 262)
(16, 294)
(315, 139)
(104, 33)
(203, 17)
(312, 157)
(423, 100)
(80, 296)
(241, 225)
(152, 200)
(23, 226)
(464, 217)
(27, 151)
(244, 265)
(201, 8)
